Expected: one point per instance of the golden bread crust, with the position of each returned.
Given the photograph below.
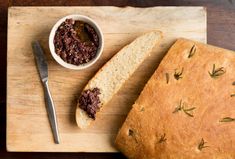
(183, 115)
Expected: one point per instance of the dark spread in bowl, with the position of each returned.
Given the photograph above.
(89, 101)
(76, 42)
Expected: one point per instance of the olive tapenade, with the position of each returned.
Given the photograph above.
(76, 42)
(89, 101)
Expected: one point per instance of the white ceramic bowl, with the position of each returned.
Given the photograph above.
(86, 20)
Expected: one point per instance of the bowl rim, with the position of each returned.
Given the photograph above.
(86, 19)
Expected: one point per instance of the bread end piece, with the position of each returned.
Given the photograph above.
(82, 119)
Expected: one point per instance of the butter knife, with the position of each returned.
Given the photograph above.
(43, 73)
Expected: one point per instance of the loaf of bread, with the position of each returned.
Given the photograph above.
(187, 108)
(109, 79)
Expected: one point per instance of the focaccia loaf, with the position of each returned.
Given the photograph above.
(187, 108)
(110, 78)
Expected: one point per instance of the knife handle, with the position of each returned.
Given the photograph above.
(51, 112)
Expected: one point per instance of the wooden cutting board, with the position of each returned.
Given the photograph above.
(28, 127)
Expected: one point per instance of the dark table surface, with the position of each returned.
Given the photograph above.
(220, 32)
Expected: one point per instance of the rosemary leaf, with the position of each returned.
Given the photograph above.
(178, 108)
(216, 72)
(192, 51)
(167, 78)
(191, 115)
(178, 74)
(162, 138)
(190, 109)
(187, 111)
(202, 145)
(227, 119)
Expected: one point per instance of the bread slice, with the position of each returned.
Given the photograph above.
(117, 70)
(186, 110)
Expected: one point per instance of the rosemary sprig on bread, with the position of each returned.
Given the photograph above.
(182, 107)
(216, 72)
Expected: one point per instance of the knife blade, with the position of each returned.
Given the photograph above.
(43, 73)
(40, 60)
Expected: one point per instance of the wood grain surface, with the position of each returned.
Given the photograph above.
(221, 26)
(120, 26)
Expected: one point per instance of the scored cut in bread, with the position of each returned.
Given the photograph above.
(110, 78)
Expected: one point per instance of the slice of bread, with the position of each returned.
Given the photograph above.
(110, 78)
